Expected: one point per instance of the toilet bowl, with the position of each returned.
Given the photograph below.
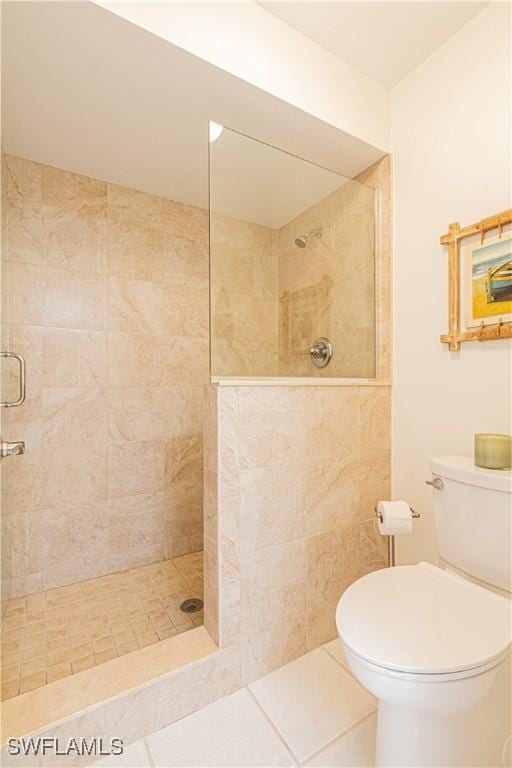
(434, 650)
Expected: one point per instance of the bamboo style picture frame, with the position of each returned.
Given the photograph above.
(485, 332)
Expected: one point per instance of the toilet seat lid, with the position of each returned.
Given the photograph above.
(419, 619)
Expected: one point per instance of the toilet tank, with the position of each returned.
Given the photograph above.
(473, 514)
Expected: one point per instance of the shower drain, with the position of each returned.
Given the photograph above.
(192, 605)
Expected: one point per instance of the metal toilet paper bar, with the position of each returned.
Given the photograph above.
(391, 539)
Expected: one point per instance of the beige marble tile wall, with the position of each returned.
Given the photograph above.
(328, 287)
(108, 301)
(271, 300)
(244, 263)
(299, 470)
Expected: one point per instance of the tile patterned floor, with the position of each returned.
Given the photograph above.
(311, 712)
(60, 632)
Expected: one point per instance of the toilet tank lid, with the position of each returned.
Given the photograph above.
(463, 470)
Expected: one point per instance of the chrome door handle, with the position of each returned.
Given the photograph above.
(22, 388)
(436, 483)
(11, 449)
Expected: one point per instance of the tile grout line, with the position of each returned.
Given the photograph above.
(333, 657)
(335, 738)
(148, 752)
(273, 726)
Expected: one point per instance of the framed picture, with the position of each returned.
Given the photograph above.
(487, 280)
(479, 280)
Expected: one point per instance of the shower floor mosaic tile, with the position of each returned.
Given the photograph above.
(63, 631)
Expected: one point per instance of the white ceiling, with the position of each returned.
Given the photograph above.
(385, 40)
(92, 93)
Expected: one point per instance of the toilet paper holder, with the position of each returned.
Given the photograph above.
(391, 539)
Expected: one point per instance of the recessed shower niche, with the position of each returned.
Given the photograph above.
(292, 253)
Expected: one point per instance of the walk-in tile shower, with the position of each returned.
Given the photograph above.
(106, 299)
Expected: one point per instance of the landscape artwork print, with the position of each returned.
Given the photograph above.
(489, 282)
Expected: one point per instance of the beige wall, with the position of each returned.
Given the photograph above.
(108, 301)
(291, 496)
(244, 267)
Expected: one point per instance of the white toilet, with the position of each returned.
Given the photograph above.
(433, 644)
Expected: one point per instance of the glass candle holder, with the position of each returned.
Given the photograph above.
(493, 451)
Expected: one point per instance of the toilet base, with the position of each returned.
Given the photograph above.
(475, 738)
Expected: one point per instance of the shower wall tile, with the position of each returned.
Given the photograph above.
(27, 341)
(327, 289)
(73, 358)
(187, 302)
(184, 256)
(134, 360)
(26, 422)
(145, 208)
(185, 353)
(244, 299)
(184, 480)
(22, 541)
(185, 221)
(74, 473)
(71, 190)
(73, 299)
(184, 466)
(75, 239)
(137, 306)
(24, 179)
(136, 468)
(25, 293)
(22, 484)
(139, 413)
(73, 415)
(76, 543)
(340, 285)
(108, 302)
(135, 530)
(24, 234)
(134, 247)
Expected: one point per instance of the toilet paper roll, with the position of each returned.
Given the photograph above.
(396, 517)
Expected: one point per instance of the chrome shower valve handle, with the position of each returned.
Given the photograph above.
(320, 352)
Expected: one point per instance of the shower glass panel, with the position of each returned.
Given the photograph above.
(292, 265)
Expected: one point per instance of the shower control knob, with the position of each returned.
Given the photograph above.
(320, 352)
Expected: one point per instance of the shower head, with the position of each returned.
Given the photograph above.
(301, 240)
